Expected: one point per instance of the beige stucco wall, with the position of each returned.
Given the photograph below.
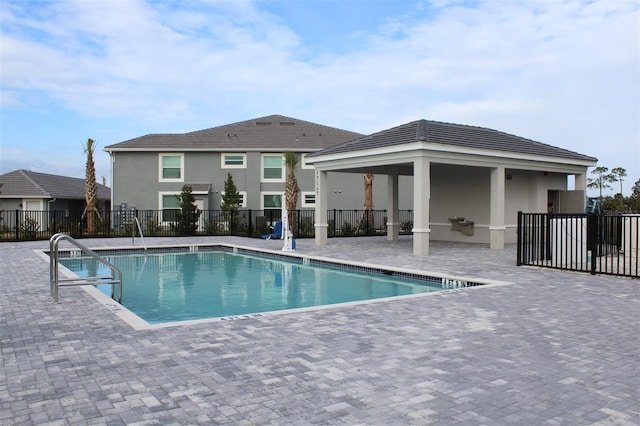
(464, 191)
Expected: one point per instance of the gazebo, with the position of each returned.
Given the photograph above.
(457, 170)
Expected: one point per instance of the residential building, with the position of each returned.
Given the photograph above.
(34, 193)
(149, 171)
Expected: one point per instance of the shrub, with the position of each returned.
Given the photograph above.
(347, 229)
(406, 227)
(306, 228)
(29, 227)
(152, 228)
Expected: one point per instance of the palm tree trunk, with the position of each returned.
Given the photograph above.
(368, 197)
(91, 189)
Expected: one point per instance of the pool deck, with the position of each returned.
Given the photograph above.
(553, 348)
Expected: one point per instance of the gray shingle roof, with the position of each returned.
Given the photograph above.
(455, 135)
(274, 132)
(25, 183)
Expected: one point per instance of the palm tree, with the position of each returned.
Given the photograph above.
(90, 189)
(291, 189)
(367, 218)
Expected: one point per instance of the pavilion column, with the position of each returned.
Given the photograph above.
(497, 225)
(392, 205)
(580, 184)
(320, 224)
(421, 195)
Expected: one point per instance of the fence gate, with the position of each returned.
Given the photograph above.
(595, 243)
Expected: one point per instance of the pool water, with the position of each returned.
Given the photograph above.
(168, 287)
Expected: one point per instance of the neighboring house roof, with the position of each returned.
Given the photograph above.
(452, 134)
(28, 184)
(274, 132)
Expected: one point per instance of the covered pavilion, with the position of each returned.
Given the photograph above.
(457, 170)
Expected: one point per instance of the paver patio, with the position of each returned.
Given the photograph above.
(553, 348)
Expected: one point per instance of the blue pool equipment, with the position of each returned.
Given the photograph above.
(593, 206)
(277, 232)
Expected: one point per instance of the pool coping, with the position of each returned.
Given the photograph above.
(456, 283)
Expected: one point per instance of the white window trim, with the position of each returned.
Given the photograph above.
(263, 193)
(171, 154)
(223, 165)
(305, 204)
(284, 169)
(303, 162)
(244, 198)
(39, 200)
(161, 206)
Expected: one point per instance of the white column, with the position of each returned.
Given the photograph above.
(580, 184)
(421, 195)
(392, 205)
(321, 225)
(497, 225)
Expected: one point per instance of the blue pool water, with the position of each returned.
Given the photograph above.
(167, 287)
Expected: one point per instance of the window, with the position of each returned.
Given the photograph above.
(272, 168)
(243, 198)
(170, 206)
(171, 167)
(272, 200)
(304, 164)
(234, 161)
(308, 199)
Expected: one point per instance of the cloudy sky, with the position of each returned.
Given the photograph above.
(562, 72)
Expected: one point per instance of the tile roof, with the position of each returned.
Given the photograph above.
(454, 135)
(25, 183)
(274, 132)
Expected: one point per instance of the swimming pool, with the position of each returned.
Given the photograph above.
(219, 282)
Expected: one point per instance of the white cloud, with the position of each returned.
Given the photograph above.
(565, 73)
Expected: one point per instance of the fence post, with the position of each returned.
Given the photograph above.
(17, 224)
(592, 241)
(519, 240)
(334, 223)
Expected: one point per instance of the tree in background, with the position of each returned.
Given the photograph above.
(90, 189)
(602, 180)
(291, 189)
(617, 203)
(618, 173)
(231, 201)
(188, 215)
(634, 199)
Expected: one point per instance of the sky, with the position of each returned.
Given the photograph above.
(561, 72)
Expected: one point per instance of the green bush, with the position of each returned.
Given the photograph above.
(152, 228)
(306, 228)
(406, 227)
(213, 227)
(347, 229)
(29, 228)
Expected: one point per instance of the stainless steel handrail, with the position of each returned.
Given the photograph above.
(56, 282)
(134, 233)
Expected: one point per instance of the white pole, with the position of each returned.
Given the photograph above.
(286, 233)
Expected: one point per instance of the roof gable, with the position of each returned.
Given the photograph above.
(274, 132)
(25, 183)
(455, 135)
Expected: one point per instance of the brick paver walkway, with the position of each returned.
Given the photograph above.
(554, 348)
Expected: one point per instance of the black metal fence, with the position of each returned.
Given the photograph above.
(21, 225)
(599, 244)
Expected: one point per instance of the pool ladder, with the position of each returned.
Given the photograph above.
(55, 281)
(133, 236)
